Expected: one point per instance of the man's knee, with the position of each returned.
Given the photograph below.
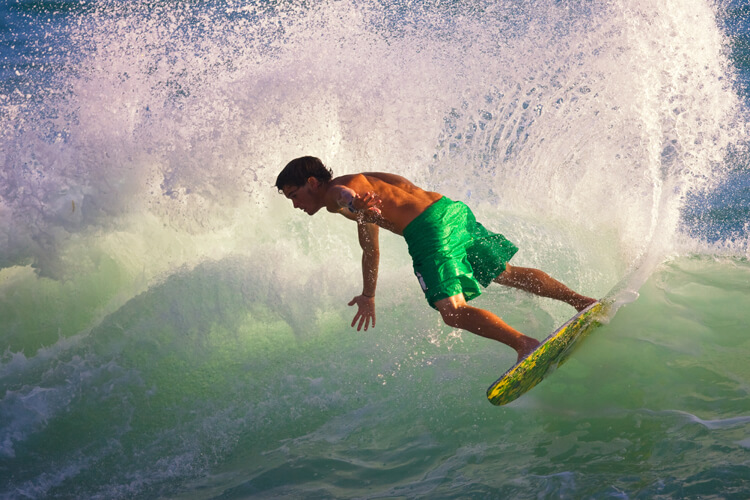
(451, 318)
(509, 276)
(453, 314)
(452, 310)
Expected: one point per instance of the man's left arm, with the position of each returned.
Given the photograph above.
(347, 198)
(368, 240)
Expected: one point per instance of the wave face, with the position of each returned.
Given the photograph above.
(172, 328)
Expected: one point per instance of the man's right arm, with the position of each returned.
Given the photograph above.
(368, 240)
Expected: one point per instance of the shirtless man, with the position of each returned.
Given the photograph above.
(453, 255)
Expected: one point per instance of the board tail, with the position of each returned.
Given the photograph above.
(550, 354)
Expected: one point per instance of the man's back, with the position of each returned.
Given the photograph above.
(401, 201)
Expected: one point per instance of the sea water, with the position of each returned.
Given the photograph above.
(172, 328)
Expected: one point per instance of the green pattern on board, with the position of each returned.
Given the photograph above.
(550, 354)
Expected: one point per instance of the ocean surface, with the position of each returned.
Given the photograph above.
(171, 328)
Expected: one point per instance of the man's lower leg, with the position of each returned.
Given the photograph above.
(540, 283)
(488, 325)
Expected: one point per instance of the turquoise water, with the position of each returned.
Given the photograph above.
(171, 327)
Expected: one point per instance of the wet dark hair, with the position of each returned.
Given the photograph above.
(299, 170)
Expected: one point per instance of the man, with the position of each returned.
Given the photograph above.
(453, 255)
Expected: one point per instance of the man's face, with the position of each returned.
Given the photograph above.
(303, 197)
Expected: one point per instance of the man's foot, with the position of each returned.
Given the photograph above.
(581, 302)
(529, 344)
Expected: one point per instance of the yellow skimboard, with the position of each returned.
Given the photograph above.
(550, 354)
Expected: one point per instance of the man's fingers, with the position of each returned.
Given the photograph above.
(356, 317)
(364, 321)
(365, 316)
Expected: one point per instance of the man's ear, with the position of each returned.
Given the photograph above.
(313, 181)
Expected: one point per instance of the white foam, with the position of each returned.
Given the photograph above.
(598, 120)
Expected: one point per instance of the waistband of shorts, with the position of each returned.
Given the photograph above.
(414, 225)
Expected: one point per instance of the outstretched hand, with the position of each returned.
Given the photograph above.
(371, 201)
(365, 311)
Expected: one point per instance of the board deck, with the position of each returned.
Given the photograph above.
(550, 354)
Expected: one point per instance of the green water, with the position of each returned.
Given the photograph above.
(196, 388)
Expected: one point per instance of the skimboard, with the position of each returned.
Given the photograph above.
(550, 354)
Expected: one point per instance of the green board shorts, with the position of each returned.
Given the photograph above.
(453, 253)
